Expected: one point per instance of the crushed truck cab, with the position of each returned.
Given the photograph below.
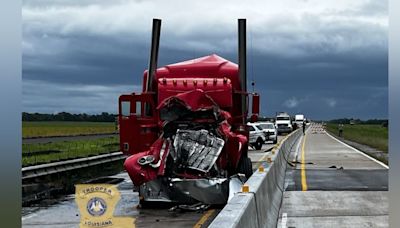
(186, 133)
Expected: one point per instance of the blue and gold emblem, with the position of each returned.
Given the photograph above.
(96, 204)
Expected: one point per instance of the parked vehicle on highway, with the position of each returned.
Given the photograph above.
(299, 119)
(270, 131)
(283, 123)
(257, 136)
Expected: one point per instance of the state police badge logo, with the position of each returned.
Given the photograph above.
(96, 204)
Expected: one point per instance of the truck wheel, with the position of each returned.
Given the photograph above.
(144, 204)
(258, 144)
(275, 141)
(245, 167)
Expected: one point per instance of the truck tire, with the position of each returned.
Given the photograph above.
(276, 140)
(258, 144)
(245, 167)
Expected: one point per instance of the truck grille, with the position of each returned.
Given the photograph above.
(197, 149)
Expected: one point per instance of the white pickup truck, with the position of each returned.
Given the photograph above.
(271, 133)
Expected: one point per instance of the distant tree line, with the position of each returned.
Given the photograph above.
(65, 116)
(358, 121)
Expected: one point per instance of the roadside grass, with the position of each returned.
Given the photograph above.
(374, 136)
(64, 128)
(40, 153)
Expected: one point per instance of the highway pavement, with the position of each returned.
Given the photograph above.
(333, 185)
(329, 185)
(65, 213)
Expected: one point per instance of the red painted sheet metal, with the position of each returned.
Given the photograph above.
(219, 89)
(135, 128)
(141, 174)
(211, 66)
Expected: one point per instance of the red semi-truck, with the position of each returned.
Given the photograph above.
(186, 133)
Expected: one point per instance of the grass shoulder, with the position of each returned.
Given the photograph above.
(65, 128)
(372, 135)
(40, 153)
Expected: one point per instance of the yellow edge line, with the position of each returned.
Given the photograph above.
(204, 218)
(303, 166)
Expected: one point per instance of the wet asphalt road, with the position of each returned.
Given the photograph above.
(344, 189)
(333, 185)
(66, 214)
(340, 180)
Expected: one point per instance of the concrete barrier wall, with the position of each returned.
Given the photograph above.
(260, 206)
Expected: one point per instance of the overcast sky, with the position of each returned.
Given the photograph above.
(326, 59)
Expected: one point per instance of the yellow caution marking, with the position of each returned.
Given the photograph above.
(204, 218)
(245, 188)
(303, 166)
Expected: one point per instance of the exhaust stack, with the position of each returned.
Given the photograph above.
(242, 64)
(155, 42)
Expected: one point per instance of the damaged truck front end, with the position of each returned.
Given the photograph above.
(188, 162)
(186, 133)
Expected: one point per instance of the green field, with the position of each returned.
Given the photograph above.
(65, 128)
(374, 136)
(39, 153)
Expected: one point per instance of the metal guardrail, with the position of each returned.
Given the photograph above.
(62, 166)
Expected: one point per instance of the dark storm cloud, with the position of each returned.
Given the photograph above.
(327, 61)
(85, 59)
(72, 97)
(331, 86)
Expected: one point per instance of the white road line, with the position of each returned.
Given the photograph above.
(284, 220)
(298, 146)
(297, 149)
(360, 152)
(27, 217)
